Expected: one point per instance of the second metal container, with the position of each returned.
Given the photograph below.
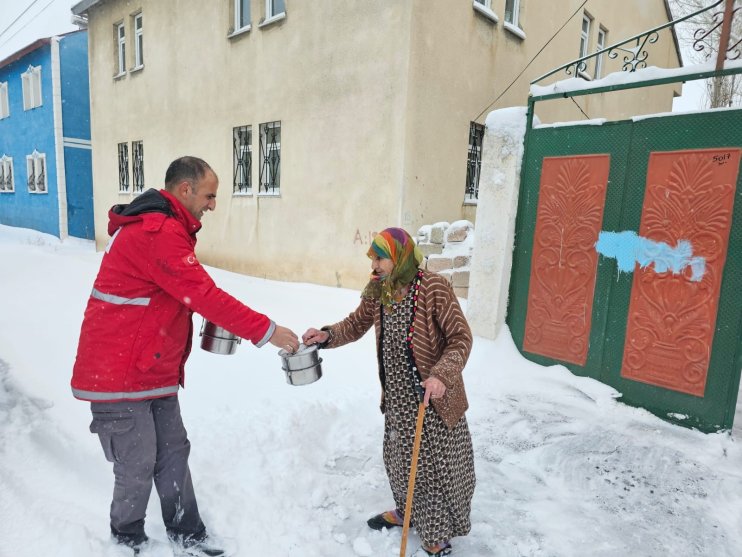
(303, 366)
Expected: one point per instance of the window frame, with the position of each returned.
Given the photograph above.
(270, 15)
(123, 164)
(585, 41)
(4, 101)
(7, 175)
(120, 36)
(484, 7)
(36, 162)
(270, 173)
(239, 16)
(602, 39)
(514, 13)
(138, 41)
(242, 161)
(137, 166)
(31, 87)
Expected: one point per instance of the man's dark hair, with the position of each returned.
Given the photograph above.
(186, 169)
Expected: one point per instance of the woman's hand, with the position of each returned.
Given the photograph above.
(313, 336)
(434, 388)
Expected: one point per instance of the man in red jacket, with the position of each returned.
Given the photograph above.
(135, 339)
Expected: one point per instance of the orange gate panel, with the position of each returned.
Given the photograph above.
(564, 261)
(672, 315)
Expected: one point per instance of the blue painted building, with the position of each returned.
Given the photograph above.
(46, 178)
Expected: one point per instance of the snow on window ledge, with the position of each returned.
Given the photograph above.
(471, 201)
(136, 69)
(242, 194)
(515, 30)
(277, 194)
(119, 76)
(485, 11)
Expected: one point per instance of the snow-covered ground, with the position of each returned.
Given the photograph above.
(562, 468)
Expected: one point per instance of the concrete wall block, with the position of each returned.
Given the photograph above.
(458, 232)
(438, 232)
(461, 292)
(430, 249)
(461, 261)
(461, 279)
(423, 235)
(437, 263)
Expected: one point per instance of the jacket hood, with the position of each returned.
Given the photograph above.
(151, 201)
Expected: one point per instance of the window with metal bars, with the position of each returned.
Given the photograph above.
(242, 157)
(36, 169)
(123, 149)
(6, 175)
(270, 158)
(137, 165)
(474, 161)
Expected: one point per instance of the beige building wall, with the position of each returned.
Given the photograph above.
(481, 58)
(374, 100)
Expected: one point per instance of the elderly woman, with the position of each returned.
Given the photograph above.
(423, 342)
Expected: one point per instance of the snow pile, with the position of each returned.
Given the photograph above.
(448, 251)
(563, 470)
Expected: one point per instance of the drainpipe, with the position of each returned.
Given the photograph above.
(58, 139)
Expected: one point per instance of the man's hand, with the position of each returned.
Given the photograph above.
(434, 388)
(284, 338)
(313, 336)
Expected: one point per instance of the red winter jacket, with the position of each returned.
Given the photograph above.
(137, 330)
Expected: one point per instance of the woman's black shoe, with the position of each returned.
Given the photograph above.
(388, 519)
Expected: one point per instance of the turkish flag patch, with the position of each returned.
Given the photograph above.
(190, 259)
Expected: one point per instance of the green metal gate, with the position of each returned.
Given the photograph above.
(629, 145)
(581, 182)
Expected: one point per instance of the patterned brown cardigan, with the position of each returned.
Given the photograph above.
(441, 341)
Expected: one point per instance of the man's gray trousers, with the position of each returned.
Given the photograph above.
(146, 441)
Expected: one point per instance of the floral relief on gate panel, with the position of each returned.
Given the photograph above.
(670, 327)
(564, 261)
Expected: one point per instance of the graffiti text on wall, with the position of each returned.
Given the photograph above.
(363, 239)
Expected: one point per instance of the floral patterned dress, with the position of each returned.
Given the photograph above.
(445, 479)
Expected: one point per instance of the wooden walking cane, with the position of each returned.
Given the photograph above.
(413, 473)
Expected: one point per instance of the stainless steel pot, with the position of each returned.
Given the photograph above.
(218, 340)
(303, 366)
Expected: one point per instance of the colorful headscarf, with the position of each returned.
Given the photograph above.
(395, 244)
